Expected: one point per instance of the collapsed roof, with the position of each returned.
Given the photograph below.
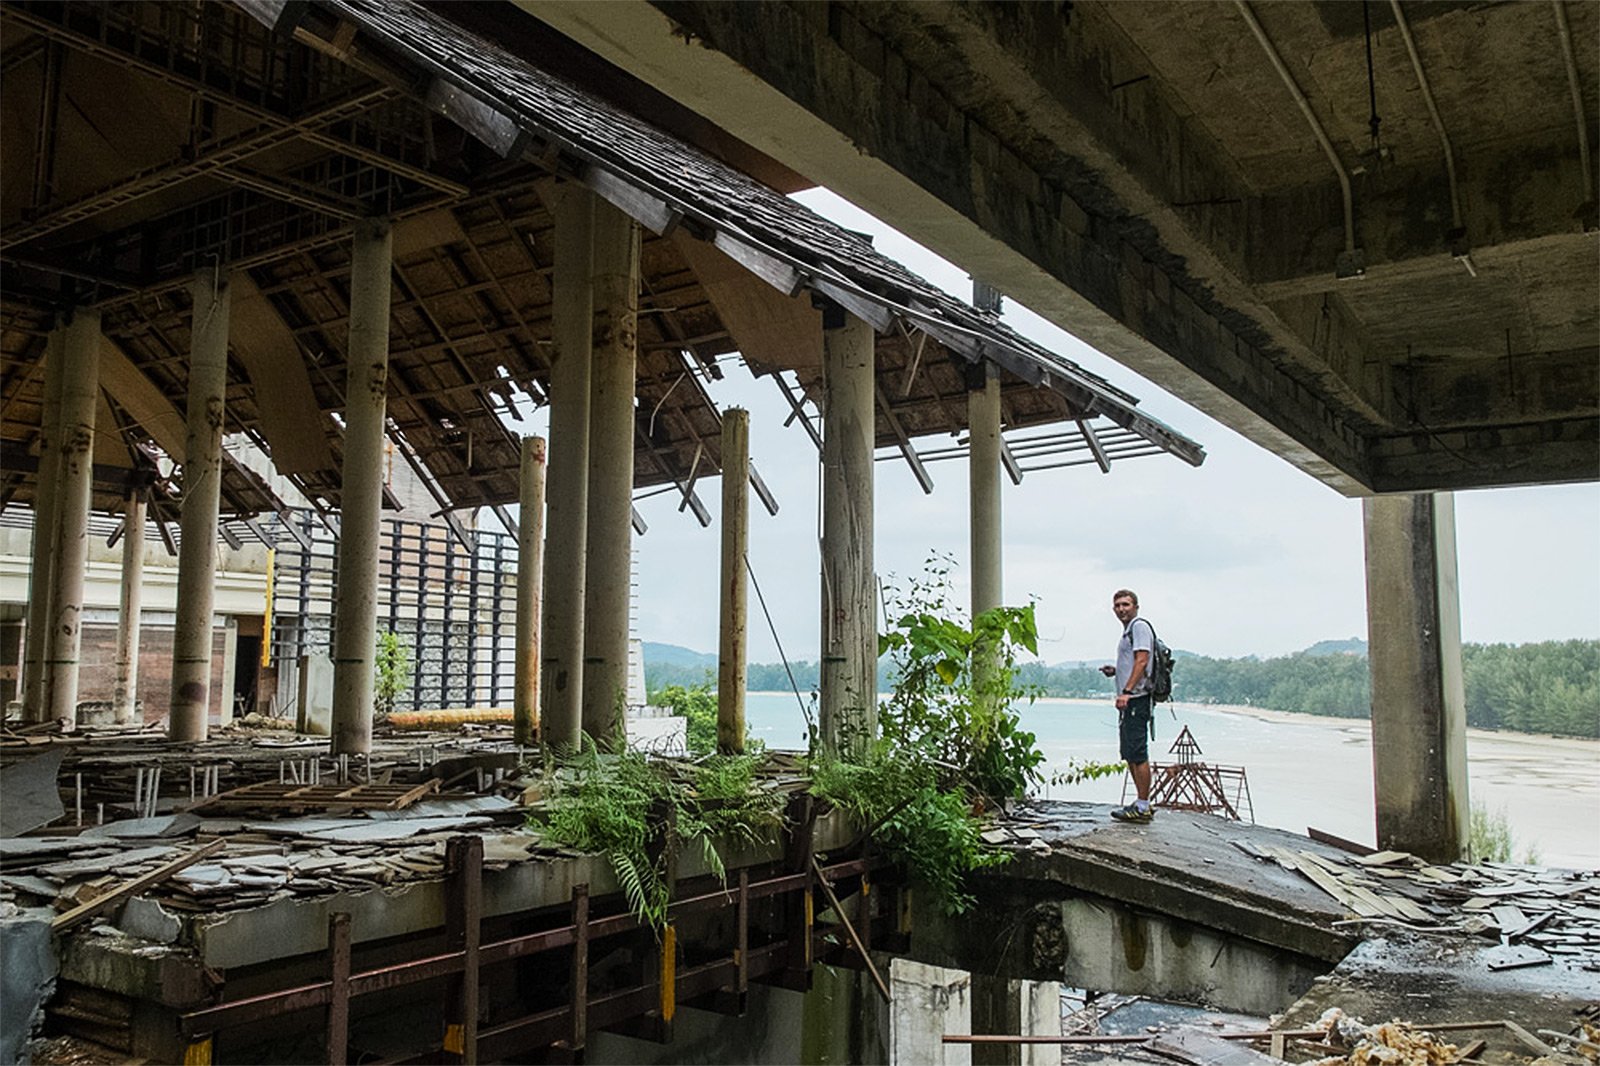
(169, 138)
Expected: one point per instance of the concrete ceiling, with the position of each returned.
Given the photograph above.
(1143, 175)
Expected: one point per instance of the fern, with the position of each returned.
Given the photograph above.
(604, 804)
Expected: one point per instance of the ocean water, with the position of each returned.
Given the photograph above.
(1302, 770)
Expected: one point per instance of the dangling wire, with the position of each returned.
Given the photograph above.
(773, 629)
(1373, 121)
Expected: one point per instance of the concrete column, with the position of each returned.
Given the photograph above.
(925, 1003)
(366, 393)
(983, 461)
(230, 665)
(1419, 716)
(530, 566)
(202, 495)
(74, 472)
(125, 693)
(849, 705)
(567, 488)
(609, 569)
(41, 569)
(731, 656)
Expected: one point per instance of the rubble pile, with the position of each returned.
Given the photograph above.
(1540, 916)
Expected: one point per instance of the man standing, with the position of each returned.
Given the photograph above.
(1132, 672)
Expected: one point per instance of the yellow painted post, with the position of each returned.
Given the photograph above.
(669, 973)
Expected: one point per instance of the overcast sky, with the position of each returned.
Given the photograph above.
(1242, 556)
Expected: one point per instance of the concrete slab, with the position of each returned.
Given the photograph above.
(1185, 865)
(32, 798)
(27, 978)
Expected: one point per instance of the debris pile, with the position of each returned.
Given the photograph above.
(1539, 915)
(1388, 1044)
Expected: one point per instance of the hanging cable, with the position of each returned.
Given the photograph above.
(771, 628)
(1373, 121)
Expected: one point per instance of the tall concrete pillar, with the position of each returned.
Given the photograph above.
(1419, 716)
(731, 652)
(530, 566)
(366, 393)
(608, 577)
(983, 461)
(41, 568)
(567, 486)
(202, 496)
(125, 693)
(983, 524)
(74, 472)
(849, 703)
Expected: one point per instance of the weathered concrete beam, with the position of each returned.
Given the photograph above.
(1419, 708)
(80, 356)
(530, 572)
(567, 515)
(125, 692)
(41, 563)
(608, 580)
(848, 712)
(732, 629)
(1538, 453)
(1516, 200)
(202, 494)
(361, 495)
(1127, 271)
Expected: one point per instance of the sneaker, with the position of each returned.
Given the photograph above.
(1132, 813)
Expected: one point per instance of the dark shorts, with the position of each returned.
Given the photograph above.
(1134, 727)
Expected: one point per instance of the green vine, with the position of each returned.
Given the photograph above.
(637, 811)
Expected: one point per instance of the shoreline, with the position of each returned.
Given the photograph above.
(1268, 714)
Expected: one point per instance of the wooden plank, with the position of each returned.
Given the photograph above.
(142, 400)
(291, 419)
(85, 911)
(770, 328)
(1384, 858)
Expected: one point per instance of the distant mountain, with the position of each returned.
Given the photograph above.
(1350, 646)
(676, 655)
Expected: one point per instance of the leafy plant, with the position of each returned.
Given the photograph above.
(637, 811)
(894, 795)
(697, 704)
(393, 667)
(956, 685)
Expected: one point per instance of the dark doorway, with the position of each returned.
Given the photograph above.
(246, 662)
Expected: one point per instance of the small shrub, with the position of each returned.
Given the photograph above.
(392, 665)
(1489, 837)
(697, 704)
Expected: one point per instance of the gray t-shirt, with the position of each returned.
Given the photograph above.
(1137, 636)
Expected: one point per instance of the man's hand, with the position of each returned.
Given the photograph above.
(1109, 671)
(1122, 701)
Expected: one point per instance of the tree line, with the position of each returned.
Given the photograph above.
(1549, 687)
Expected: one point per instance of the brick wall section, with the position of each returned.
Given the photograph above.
(97, 671)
